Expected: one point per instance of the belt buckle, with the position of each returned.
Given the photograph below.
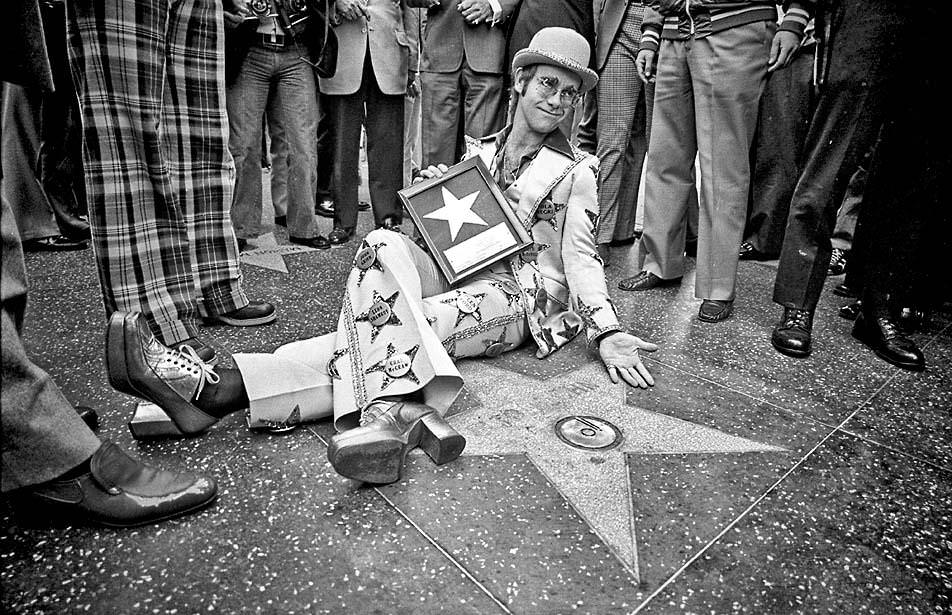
(274, 42)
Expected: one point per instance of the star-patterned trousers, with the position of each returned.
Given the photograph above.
(400, 329)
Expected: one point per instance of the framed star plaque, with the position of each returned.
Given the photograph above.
(464, 219)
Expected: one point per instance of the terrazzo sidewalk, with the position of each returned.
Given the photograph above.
(744, 482)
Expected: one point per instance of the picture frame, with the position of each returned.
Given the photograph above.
(465, 220)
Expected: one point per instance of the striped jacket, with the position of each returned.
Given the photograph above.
(684, 19)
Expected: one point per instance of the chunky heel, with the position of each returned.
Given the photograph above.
(116, 354)
(439, 440)
(150, 421)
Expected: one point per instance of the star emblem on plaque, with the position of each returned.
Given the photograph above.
(380, 314)
(396, 365)
(464, 219)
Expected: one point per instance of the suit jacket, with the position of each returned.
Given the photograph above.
(447, 39)
(24, 46)
(392, 49)
(563, 279)
(608, 17)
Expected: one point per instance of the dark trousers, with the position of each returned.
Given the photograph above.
(869, 46)
(42, 436)
(325, 153)
(382, 116)
(777, 154)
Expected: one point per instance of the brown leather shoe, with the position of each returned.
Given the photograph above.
(119, 491)
(140, 365)
(375, 451)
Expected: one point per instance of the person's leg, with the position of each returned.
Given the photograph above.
(785, 109)
(619, 96)
(20, 144)
(118, 58)
(483, 112)
(325, 153)
(195, 149)
(295, 93)
(669, 165)
(43, 436)
(441, 101)
(245, 102)
(728, 70)
(848, 212)
(346, 117)
(632, 170)
(385, 137)
(279, 160)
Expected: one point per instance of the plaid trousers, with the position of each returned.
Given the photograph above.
(624, 118)
(151, 84)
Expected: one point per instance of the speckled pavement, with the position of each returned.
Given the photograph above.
(745, 481)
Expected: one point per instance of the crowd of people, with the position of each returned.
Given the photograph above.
(142, 128)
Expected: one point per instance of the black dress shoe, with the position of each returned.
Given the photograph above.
(254, 314)
(89, 416)
(842, 290)
(715, 310)
(645, 280)
(58, 243)
(320, 242)
(281, 221)
(882, 335)
(119, 491)
(202, 350)
(363, 206)
(851, 310)
(747, 252)
(793, 335)
(325, 208)
(340, 235)
(391, 223)
(242, 244)
(837, 264)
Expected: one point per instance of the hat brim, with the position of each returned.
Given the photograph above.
(528, 57)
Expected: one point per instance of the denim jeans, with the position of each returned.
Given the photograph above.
(278, 81)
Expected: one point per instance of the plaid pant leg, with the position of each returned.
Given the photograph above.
(118, 61)
(194, 127)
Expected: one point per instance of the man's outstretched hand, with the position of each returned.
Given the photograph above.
(619, 352)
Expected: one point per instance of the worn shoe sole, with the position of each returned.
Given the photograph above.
(244, 322)
(123, 327)
(37, 511)
(720, 316)
(371, 458)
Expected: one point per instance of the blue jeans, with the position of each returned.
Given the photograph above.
(281, 82)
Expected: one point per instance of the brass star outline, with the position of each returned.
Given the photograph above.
(381, 366)
(393, 320)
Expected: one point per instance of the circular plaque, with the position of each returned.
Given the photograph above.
(588, 433)
(510, 288)
(397, 365)
(365, 258)
(546, 210)
(495, 350)
(379, 314)
(466, 303)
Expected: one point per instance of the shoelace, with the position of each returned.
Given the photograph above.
(206, 373)
(889, 329)
(798, 318)
(838, 258)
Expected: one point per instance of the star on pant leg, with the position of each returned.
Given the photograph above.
(467, 304)
(392, 319)
(373, 265)
(293, 420)
(332, 364)
(393, 368)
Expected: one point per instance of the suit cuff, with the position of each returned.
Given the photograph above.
(650, 38)
(795, 19)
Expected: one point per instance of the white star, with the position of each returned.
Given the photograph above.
(457, 212)
(269, 255)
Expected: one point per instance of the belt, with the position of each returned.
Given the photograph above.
(275, 42)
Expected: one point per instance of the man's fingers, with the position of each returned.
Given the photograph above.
(633, 378)
(613, 373)
(643, 370)
(647, 346)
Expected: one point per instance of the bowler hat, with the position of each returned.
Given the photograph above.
(560, 47)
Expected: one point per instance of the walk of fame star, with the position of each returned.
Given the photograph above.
(380, 314)
(395, 366)
(457, 211)
(467, 304)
